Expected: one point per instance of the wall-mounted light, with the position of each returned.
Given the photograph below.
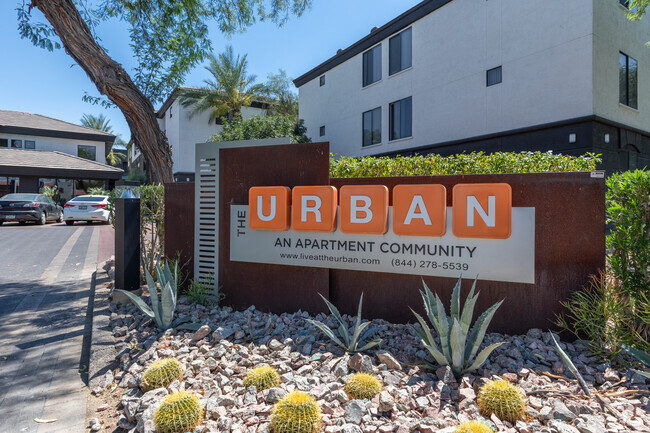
(606, 138)
(572, 138)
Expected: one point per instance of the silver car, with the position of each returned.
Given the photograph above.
(86, 208)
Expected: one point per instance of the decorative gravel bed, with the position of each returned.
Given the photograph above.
(217, 357)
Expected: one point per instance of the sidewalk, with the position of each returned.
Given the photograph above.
(45, 336)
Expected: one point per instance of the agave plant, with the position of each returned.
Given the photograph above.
(570, 365)
(163, 306)
(642, 356)
(458, 345)
(348, 339)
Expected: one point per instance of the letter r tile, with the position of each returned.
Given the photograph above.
(314, 208)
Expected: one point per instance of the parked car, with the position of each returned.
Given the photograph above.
(29, 207)
(86, 208)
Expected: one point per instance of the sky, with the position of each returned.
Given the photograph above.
(35, 80)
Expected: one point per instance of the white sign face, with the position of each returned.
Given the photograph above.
(508, 260)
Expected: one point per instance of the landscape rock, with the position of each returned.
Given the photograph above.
(354, 411)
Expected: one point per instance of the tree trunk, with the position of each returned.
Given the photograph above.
(113, 81)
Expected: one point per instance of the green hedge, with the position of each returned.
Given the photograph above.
(469, 163)
(628, 210)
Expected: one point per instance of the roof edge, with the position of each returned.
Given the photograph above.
(41, 132)
(402, 21)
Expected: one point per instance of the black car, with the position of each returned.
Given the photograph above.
(29, 207)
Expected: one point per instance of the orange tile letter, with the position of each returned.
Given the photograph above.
(482, 210)
(419, 210)
(364, 209)
(314, 208)
(269, 208)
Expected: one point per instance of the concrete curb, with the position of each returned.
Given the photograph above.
(102, 344)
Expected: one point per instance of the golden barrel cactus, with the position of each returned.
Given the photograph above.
(162, 373)
(362, 385)
(473, 427)
(262, 378)
(503, 399)
(296, 412)
(178, 413)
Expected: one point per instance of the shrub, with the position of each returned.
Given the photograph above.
(628, 209)
(178, 413)
(162, 373)
(471, 163)
(152, 217)
(473, 427)
(95, 190)
(458, 344)
(262, 378)
(257, 127)
(205, 293)
(503, 399)
(604, 315)
(362, 385)
(296, 412)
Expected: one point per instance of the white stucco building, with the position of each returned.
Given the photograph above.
(37, 151)
(183, 131)
(449, 76)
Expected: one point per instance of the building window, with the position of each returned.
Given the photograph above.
(372, 127)
(627, 80)
(322, 80)
(400, 119)
(372, 66)
(17, 144)
(322, 130)
(626, 5)
(87, 152)
(399, 52)
(4, 142)
(493, 76)
(30, 144)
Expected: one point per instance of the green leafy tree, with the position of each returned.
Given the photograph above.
(229, 89)
(280, 88)
(263, 127)
(168, 38)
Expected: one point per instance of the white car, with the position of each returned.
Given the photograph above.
(86, 208)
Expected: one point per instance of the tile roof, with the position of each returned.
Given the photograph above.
(24, 123)
(39, 160)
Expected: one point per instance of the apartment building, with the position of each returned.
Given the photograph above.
(452, 76)
(183, 131)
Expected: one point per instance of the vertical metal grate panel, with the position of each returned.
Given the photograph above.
(206, 217)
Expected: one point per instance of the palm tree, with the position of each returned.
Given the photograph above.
(101, 123)
(229, 89)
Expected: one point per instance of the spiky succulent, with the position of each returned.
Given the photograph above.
(458, 343)
(262, 378)
(473, 427)
(362, 385)
(162, 373)
(163, 306)
(178, 413)
(296, 412)
(503, 399)
(348, 339)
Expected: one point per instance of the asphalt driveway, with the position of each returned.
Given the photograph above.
(45, 280)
